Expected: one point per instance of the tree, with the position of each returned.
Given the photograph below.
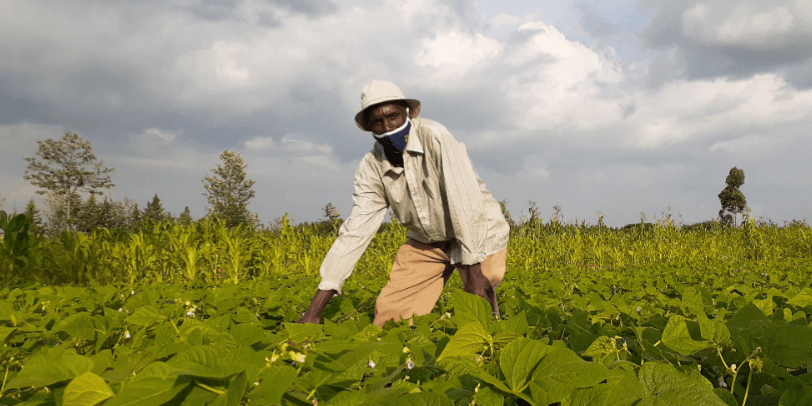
(186, 216)
(90, 216)
(155, 211)
(36, 217)
(2, 202)
(228, 191)
(65, 167)
(732, 199)
(330, 213)
(135, 215)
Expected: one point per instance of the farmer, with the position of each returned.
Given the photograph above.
(419, 170)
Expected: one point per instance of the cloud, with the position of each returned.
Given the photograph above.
(259, 143)
(732, 38)
(551, 106)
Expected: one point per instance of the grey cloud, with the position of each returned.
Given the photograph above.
(311, 8)
(215, 10)
(687, 56)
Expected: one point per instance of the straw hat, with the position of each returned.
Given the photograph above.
(380, 91)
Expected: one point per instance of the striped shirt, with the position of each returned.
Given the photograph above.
(437, 195)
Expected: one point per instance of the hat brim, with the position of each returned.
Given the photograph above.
(414, 111)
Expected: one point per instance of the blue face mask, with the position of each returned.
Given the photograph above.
(398, 137)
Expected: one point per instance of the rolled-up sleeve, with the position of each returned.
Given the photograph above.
(466, 204)
(368, 210)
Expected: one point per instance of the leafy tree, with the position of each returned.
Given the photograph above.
(155, 211)
(186, 216)
(65, 167)
(228, 191)
(732, 199)
(2, 202)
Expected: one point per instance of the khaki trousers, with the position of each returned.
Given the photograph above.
(418, 276)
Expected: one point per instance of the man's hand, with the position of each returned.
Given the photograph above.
(478, 284)
(317, 305)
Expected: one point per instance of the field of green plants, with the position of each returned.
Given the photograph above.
(201, 314)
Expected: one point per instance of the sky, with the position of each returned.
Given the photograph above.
(615, 108)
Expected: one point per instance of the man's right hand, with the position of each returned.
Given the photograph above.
(317, 305)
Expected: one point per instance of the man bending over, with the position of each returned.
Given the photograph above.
(419, 170)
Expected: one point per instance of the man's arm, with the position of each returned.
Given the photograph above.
(477, 283)
(466, 205)
(356, 233)
(317, 305)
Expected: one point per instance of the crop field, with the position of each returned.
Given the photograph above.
(202, 315)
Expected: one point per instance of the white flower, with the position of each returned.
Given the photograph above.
(126, 334)
(638, 309)
(132, 292)
(722, 383)
(371, 364)
(120, 308)
(256, 383)
(190, 313)
(409, 364)
(733, 367)
(297, 356)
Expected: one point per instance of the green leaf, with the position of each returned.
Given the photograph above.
(603, 349)
(422, 399)
(247, 334)
(676, 388)
(470, 308)
(726, 396)
(487, 397)
(622, 388)
(203, 361)
(145, 316)
(341, 369)
(518, 359)
(787, 344)
(298, 333)
(274, 382)
(713, 330)
(796, 396)
(677, 337)
(745, 315)
(50, 367)
(692, 301)
(87, 389)
(234, 393)
(469, 340)
(802, 299)
(5, 332)
(79, 325)
(560, 372)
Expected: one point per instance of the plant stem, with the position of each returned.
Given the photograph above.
(209, 388)
(749, 378)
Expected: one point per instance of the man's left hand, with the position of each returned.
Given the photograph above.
(477, 283)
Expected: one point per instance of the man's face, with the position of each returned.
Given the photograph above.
(386, 117)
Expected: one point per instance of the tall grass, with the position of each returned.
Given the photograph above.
(208, 251)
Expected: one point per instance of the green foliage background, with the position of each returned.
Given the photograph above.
(209, 251)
